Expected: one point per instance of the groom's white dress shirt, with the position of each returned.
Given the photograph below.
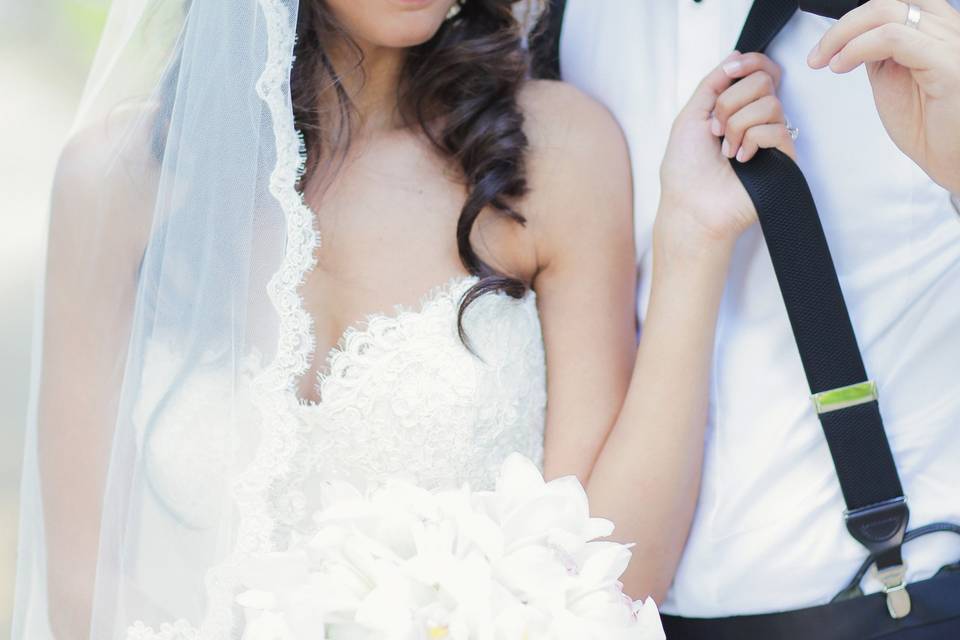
(769, 533)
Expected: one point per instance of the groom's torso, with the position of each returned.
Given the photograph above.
(769, 532)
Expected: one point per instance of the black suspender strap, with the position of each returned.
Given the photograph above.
(843, 395)
(545, 42)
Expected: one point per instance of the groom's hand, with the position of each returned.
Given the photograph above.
(912, 57)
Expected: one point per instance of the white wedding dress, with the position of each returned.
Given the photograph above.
(402, 397)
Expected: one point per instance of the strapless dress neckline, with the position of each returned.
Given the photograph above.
(403, 396)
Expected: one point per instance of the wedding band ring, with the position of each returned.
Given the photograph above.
(913, 16)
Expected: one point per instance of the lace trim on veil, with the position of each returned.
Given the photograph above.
(273, 390)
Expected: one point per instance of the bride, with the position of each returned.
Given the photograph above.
(437, 272)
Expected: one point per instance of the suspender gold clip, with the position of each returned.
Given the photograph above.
(895, 586)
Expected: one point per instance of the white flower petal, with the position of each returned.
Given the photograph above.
(534, 575)
(268, 626)
(602, 563)
(648, 619)
(388, 608)
(339, 493)
(598, 528)
(519, 480)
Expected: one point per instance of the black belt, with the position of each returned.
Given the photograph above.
(935, 615)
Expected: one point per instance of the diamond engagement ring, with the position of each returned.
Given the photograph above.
(913, 16)
(792, 131)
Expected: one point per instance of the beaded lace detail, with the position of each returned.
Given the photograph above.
(405, 397)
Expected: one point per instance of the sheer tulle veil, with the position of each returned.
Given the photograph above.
(162, 440)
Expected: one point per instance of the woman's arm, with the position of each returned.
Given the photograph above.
(647, 478)
(579, 212)
(98, 228)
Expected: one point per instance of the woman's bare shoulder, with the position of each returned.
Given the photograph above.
(579, 165)
(557, 113)
(106, 178)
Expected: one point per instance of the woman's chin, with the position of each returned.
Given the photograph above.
(414, 5)
(405, 29)
(394, 24)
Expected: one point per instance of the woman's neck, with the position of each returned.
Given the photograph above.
(373, 85)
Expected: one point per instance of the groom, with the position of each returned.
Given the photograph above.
(881, 152)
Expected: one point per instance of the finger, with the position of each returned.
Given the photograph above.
(937, 17)
(755, 86)
(904, 45)
(746, 64)
(864, 18)
(940, 27)
(705, 96)
(766, 136)
(945, 29)
(766, 110)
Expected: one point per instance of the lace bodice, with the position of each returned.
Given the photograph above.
(404, 397)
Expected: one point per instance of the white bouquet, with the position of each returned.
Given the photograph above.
(522, 562)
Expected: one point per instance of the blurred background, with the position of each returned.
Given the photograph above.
(46, 47)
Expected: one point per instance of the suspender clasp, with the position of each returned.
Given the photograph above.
(880, 528)
(895, 586)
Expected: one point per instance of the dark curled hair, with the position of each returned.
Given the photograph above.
(459, 88)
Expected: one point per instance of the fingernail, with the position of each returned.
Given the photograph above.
(725, 148)
(812, 56)
(834, 61)
(732, 67)
(715, 127)
(741, 155)
(730, 56)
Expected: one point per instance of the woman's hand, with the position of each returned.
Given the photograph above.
(913, 61)
(703, 205)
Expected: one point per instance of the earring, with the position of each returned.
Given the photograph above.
(454, 10)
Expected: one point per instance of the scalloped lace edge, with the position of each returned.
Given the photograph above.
(450, 292)
(272, 388)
